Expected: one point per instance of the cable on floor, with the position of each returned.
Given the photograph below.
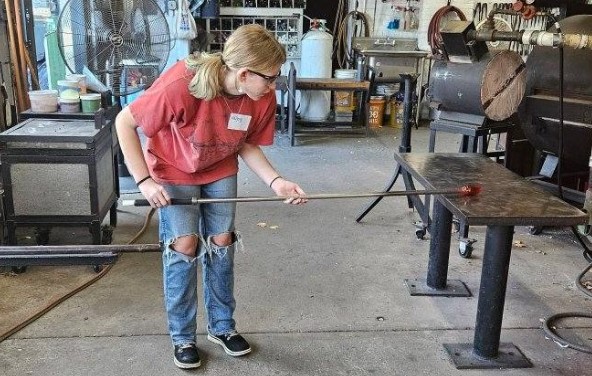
(76, 290)
(550, 328)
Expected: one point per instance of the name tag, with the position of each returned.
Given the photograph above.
(239, 122)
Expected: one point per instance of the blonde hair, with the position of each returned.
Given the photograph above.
(249, 46)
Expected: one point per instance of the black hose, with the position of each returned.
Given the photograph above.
(550, 328)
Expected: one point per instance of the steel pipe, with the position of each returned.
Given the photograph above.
(466, 190)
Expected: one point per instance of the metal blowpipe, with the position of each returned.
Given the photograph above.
(464, 191)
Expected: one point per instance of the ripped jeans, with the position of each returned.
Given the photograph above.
(180, 270)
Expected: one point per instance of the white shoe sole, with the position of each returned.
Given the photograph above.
(186, 365)
(226, 349)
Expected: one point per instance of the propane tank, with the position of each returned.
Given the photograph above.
(317, 48)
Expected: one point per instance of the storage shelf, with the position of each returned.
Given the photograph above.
(287, 28)
(301, 4)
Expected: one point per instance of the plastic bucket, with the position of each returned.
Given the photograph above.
(69, 105)
(343, 101)
(376, 111)
(80, 78)
(44, 100)
(69, 89)
(90, 102)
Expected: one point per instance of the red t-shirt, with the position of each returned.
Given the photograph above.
(188, 140)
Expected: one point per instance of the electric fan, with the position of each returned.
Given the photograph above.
(500, 24)
(124, 43)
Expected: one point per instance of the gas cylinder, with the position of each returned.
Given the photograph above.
(317, 49)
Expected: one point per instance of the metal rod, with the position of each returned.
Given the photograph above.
(77, 249)
(534, 37)
(197, 201)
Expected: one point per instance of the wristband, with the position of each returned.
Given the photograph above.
(273, 180)
(142, 180)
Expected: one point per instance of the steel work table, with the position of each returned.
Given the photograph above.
(507, 200)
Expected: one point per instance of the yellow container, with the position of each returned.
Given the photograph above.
(343, 101)
(396, 114)
(376, 111)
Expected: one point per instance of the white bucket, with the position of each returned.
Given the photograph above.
(44, 100)
(69, 105)
(345, 74)
(69, 89)
(80, 78)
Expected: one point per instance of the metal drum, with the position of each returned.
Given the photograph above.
(540, 112)
(492, 87)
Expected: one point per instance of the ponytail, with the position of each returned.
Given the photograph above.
(206, 82)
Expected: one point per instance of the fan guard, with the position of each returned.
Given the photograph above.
(500, 24)
(124, 43)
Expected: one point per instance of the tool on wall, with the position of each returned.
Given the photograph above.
(464, 191)
(3, 100)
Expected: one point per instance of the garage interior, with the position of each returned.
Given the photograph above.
(380, 103)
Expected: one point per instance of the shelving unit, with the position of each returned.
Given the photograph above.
(263, 3)
(297, 128)
(279, 17)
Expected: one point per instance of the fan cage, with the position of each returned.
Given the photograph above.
(124, 43)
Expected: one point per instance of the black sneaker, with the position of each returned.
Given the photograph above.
(186, 356)
(233, 343)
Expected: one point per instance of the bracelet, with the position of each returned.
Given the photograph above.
(274, 179)
(143, 180)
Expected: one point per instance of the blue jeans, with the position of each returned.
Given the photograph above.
(180, 270)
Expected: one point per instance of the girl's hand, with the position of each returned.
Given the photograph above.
(155, 193)
(283, 187)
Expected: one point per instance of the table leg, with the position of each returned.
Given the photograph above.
(436, 283)
(486, 350)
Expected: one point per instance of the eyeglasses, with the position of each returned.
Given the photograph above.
(270, 79)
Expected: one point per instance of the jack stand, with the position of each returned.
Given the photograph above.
(410, 81)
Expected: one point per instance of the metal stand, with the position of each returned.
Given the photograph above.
(436, 283)
(410, 81)
(486, 350)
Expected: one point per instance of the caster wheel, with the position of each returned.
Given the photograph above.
(465, 250)
(536, 230)
(106, 235)
(420, 234)
(19, 269)
(97, 268)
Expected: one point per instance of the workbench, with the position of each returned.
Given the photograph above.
(506, 200)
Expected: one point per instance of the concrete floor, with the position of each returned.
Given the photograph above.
(320, 294)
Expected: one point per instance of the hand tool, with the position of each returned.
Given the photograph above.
(3, 100)
(464, 191)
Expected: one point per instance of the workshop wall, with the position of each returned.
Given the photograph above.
(380, 13)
